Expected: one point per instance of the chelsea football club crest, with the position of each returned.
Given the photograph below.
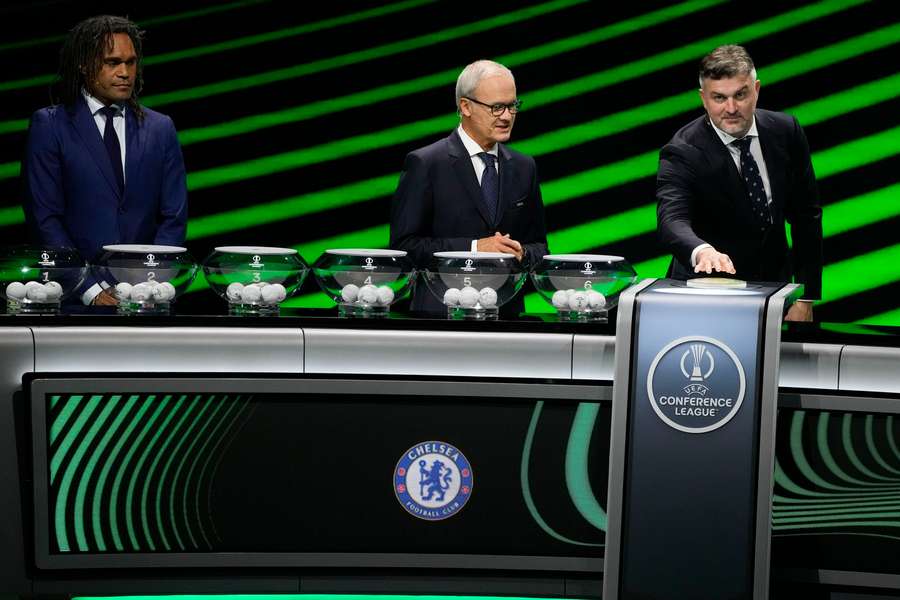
(433, 480)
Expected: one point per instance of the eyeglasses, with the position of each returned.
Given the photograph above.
(499, 109)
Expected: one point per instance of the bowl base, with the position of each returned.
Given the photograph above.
(363, 310)
(254, 310)
(128, 307)
(474, 314)
(584, 316)
(31, 308)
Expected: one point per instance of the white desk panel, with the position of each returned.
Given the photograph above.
(169, 349)
(451, 353)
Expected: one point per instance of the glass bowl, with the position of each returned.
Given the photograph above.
(148, 278)
(35, 279)
(254, 280)
(474, 285)
(582, 287)
(364, 282)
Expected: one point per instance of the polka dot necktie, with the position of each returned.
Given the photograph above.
(490, 186)
(111, 141)
(753, 182)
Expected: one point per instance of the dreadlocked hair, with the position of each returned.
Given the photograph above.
(82, 54)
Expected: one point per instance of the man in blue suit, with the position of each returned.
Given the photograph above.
(469, 190)
(100, 168)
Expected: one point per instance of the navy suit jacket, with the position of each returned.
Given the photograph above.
(701, 199)
(438, 207)
(71, 196)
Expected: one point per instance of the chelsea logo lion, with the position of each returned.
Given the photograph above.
(433, 480)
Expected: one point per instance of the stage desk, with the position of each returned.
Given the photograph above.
(200, 454)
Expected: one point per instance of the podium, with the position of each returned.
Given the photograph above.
(692, 441)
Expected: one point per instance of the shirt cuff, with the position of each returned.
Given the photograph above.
(696, 251)
(474, 246)
(92, 292)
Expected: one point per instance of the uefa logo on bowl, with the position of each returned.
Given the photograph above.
(433, 480)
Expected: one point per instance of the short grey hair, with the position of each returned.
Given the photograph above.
(725, 62)
(472, 75)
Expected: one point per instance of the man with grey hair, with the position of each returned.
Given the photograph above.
(729, 180)
(469, 191)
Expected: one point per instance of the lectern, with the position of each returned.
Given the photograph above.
(693, 440)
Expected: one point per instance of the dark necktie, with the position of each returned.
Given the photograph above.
(111, 141)
(490, 185)
(753, 182)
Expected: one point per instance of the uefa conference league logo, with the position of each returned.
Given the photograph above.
(433, 480)
(696, 384)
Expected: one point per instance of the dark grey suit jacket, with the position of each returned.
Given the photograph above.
(701, 198)
(438, 207)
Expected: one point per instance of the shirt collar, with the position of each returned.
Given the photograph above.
(471, 145)
(728, 138)
(95, 105)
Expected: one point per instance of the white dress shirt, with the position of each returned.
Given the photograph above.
(94, 106)
(474, 150)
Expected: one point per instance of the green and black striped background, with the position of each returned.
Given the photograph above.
(295, 117)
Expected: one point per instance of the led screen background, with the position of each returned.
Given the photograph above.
(295, 117)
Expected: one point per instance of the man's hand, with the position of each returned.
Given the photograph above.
(710, 259)
(501, 243)
(800, 311)
(105, 298)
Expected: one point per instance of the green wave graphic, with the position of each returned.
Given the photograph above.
(577, 479)
(850, 451)
(152, 469)
(132, 481)
(62, 538)
(189, 478)
(892, 441)
(893, 500)
(215, 471)
(117, 482)
(104, 473)
(526, 487)
(82, 489)
(214, 453)
(97, 496)
(825, 452)
(187, 435)
(184, 458)
(873, 449)
(68, 409)
(869, 504)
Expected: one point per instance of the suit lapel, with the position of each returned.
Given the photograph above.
(507, 178)
(462, 166)
(86, 127)
(135, 140)
(774, 156)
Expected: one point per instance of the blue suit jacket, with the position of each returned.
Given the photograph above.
(71, 196)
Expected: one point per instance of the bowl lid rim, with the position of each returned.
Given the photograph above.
(251, 250)
(584, 257)
(470, 254)
(372, 252)
(144, 248)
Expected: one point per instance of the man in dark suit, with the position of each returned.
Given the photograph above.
(468, 190)
(729, 180)
(99, 168)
